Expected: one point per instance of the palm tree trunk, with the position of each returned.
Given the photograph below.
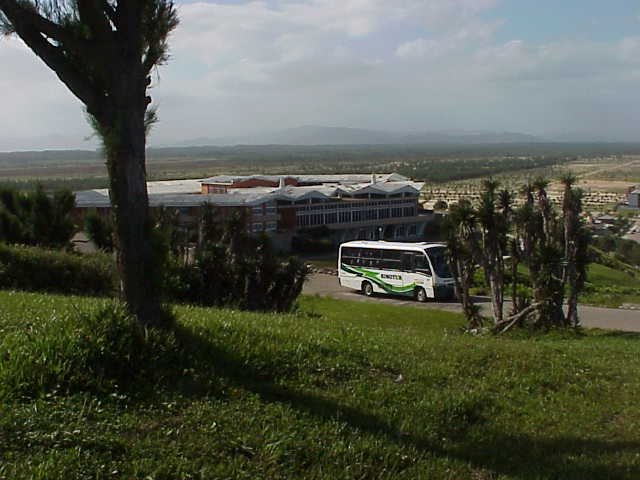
(497, 301)
(572, 308)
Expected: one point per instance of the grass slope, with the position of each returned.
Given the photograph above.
(609, 287)
(338, 390)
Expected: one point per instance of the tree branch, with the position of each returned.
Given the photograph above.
(508, 323)
(17, 12)
(110, 12)
(92, 14)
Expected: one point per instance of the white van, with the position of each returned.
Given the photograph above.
(417, 270)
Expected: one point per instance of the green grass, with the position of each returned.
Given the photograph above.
(337, 390)
(609, 287)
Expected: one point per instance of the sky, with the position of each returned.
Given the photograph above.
(543, 67)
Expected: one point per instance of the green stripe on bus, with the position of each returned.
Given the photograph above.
(375, 278)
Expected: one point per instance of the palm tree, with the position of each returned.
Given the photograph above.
(571, 208)
(104, 51)
(493, 228)
(462, 247)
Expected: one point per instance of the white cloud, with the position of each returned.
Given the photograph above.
(397, 64)
(36, 107)
(519, 61)
(471, 35)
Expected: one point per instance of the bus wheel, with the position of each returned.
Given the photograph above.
(367, 289)
(421, 295)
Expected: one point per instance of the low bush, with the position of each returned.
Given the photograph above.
(101, 352)
(250, 282)
(37, 269)
(232, 268)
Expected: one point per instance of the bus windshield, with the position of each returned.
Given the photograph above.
(438, 257)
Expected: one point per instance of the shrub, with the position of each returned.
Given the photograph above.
(36, 218)
(103, 352)
(99, 230)
(233, 268)
(314, 240)
(37, 269)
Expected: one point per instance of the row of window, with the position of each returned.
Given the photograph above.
(264, 227)
(350, 205)
(385, 259)
(305, 219)
(259, 211)
(398, 232)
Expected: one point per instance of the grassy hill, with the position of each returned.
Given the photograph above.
(610, 287)
(337, 390)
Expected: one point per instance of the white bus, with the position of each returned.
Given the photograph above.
(418, 270)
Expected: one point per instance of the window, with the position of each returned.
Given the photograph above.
(271, 226)
(350, 255)
(256, 211)
(407, 261)
(409, 211)
(438, 258)
(391, 259)
(271, 210)
(421, 264)
(257, 227)
(413, 230)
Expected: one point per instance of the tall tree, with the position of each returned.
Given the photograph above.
(462, 242)
(575, 246)
(104, 51)
(493, 234)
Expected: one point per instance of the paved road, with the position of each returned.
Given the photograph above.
(590, 317)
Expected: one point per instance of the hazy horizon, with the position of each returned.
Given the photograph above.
(250, 68)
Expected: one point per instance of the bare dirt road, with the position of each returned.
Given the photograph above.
(590, 317)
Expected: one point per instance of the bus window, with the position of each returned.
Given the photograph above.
(391, 260)
(438, 258)
(421, 264)
(350, 255)
(407, 261)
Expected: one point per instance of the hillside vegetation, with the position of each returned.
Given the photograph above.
(611, 287)
(337, 390)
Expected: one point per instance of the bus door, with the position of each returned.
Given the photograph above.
(409, 277)
(423, 275)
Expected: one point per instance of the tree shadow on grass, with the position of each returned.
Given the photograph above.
(481, 446)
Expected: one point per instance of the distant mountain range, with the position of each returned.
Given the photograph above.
(312, 135)
(320, 135)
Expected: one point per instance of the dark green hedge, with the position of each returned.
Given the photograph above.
(38, 269)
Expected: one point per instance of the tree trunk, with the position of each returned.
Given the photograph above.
(497, 301)
(572, 309)
(515, 307)
(139, 269)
